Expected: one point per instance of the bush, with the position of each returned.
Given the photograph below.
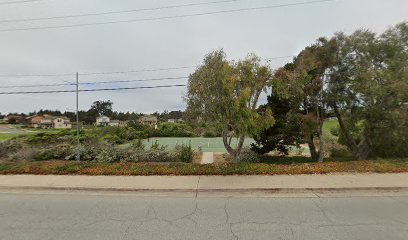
(249, 156)
(156, 146)
(113, 139)
(184, 153)
(16, 150)
(110, 155)
(335, 149)
(47, 138)
(138, 144)
(8, 147)
(23, 154)
(172, 130)
(54, 152)
(151, 155)
(210, 134)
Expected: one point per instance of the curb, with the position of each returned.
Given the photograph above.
(214, 190)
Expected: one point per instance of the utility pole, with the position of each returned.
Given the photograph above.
(77, 118)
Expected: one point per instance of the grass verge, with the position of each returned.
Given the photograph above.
(144, 169)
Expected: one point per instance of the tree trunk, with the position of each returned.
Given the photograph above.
(234, 153)
(239, 148)
(321, 138)
(227, 144)
(363, 149)
(312, 149)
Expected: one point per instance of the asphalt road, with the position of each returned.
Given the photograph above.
(35, 216)
(10, 129)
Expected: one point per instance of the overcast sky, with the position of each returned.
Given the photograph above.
(269, 33)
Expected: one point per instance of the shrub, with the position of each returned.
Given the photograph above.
(138, 144)
(113, 139)
(54, 152)
(8, 147)
(249, 156)
(172, 130)
(336, 149)
(184, 153)
(210, 134)
(151, 155)
(109, 155)
(156, 146)
(46, 138)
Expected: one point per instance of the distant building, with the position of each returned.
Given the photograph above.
(14, 119)
(34, 121)
(114, 123)
(61, 123)
(172, 120)
(48, 121)
(123, 123)
(102, 121)
(150, 120)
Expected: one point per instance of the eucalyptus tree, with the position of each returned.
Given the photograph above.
(303, 83)
(368, 91)
(224, 95)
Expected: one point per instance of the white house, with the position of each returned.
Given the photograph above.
(102, 121)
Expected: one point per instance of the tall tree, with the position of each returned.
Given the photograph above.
(302, 83)
(102, 108)
(224, 95)
(286, 131)
(368, 90)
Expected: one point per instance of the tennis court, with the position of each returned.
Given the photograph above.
(206, 144)
(209, 144)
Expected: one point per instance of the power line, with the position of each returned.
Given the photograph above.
(136, 80)
(114, 72)
(16, 2)
(93, 83)
(163, 18)
(116, 12)
(36, 75)
(92, 90)
(140, 70)
(96, 73)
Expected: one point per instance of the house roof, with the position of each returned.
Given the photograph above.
(148, 118)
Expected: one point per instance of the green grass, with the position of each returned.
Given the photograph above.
(6, 136)
(327, 127)
(27, 131)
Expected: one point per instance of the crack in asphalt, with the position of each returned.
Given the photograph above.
(198, 183)
(323, 211)
(191, 214)
(227, 218)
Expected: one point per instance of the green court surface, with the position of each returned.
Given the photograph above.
(206, 144)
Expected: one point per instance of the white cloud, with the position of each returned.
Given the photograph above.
(158, 44)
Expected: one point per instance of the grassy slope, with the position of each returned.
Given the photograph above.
(6, 136)
(28, 131)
